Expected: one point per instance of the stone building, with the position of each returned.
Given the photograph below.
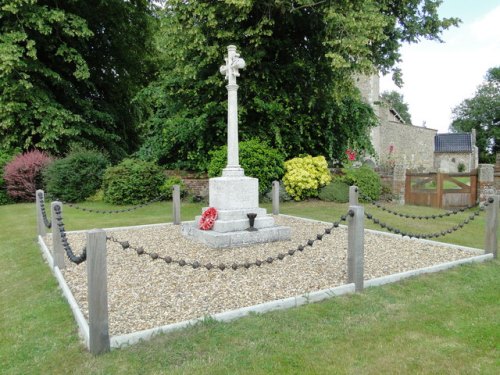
(394, 141)
(455, 152)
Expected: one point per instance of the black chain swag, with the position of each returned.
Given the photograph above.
(234, 266)
(64, 239)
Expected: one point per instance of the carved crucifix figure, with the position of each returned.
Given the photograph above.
(231, 71)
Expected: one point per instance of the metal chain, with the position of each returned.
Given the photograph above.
(234, 266)
(424, 235)
(46, 221)
(407, 216)
(133, 208)
(64, 239)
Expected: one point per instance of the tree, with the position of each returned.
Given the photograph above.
(482, 113)
(396, 101)
(68, 72)
(297, 92)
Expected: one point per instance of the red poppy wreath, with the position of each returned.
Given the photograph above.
(207, 219)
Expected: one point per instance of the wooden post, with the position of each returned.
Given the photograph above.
(355, 247)
(40, 224)
(57, 247)
(439, 190)
(176, 204)
(276, 197)
(97, 292)
(408, 192)
(491, 241)
(353, 195)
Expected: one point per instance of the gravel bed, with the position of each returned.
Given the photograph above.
(145, 293)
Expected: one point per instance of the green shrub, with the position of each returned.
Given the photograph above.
(367, 180)
(132, 182)
(256, 158)
(166, 188)
(335, 191)
(304, 176)
(76, 177)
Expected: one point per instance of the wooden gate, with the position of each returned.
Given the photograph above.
(454, 190)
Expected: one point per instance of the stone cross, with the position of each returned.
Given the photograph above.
(231, 71)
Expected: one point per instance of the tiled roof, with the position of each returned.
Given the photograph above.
(453, 142)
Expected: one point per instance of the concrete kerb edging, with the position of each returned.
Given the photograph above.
(132, 338)
(77, 313)
(436, 268)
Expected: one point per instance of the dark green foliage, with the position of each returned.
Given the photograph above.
(297, 91)
(132, 182)
(335, 191)
(482, 113)
(68, 72)
(365, 178)
(76, 177)
(256, 158)
(166, 188)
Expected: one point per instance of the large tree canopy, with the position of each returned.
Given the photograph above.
(297, 91)
(482, 113)
(68, 71)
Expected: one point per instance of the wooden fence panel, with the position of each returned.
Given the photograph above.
(441, 190)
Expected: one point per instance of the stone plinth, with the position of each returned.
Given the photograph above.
(215, 239)
(234, 198)
(233, 193)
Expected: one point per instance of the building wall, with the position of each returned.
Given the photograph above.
(448, 162)
(413, 146)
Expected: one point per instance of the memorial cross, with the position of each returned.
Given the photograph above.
(231, 71)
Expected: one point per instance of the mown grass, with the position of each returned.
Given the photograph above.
(442, 323)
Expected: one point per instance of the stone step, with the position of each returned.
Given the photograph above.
(232, 239)
(224, 226)
(240, 214)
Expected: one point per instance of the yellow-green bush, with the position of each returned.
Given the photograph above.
(304, 176)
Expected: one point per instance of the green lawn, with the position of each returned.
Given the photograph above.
(434, 324)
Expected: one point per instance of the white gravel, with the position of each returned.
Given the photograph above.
(145, 293)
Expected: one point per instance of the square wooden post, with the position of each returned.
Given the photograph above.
(176, 204)
(439, 190)
(40, 224)
(355, 247)
(276, 197)
(97, 292)
(353, 195)
(491, 240)
(57, 247)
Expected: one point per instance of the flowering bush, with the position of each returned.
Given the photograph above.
(23, 175)
(351, 154)
(304, 176)
(388, 161)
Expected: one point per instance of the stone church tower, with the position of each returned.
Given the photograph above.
(410, 145)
